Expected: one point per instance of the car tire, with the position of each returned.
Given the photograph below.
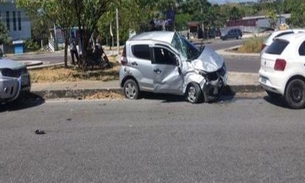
(273, 95)
(295, 94)
(194, 93)
(131, 89)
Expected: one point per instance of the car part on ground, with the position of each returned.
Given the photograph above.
(165, 62)
(282, 71)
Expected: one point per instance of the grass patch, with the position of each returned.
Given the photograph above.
(252, 45)
(61, 74)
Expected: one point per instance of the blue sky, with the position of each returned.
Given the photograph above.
(230, 1)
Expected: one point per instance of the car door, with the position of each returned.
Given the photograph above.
(166, 71)
(142, 65)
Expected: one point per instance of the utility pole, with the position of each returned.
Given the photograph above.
(117, 30)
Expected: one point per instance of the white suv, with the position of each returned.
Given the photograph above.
(165, 62)
(282, 71)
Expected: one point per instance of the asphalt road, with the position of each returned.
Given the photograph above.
(152, 140)
(234, 63)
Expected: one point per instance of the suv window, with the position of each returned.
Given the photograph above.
(141, 51)
(277, 47)
(302, 49)
(164, 56)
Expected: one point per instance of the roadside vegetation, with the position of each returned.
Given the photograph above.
(252, 45)
(72, 74)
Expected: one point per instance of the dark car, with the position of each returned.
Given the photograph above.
(234, 33)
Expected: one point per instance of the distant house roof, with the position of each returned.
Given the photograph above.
(288, 15)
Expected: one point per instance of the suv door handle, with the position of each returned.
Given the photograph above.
(134, 63)
(158, 71)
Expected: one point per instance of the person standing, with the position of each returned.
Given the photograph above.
(73, 49)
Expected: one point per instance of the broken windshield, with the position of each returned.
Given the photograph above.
(185, 48)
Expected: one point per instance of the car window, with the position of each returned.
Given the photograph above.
(185, 48)
(141, 51)
(277, 47)
(164, 56)
(302, 49)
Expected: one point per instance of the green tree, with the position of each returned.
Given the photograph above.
(272, 15)
(58, 12)
(3, 34)
(235, 13)
(298, 15)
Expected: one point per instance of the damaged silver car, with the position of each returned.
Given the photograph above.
(165, 62)
(14, 80)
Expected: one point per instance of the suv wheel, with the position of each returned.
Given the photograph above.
(193, 93)
(295, 94)
(131, 89)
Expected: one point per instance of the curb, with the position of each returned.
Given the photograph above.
(81, 93)
(228, 52)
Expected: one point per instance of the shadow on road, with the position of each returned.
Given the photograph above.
(280, 102)
(31, 100)
(168, 98)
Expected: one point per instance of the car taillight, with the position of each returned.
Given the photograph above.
(263, 46)
(280, 65)
(124, 58)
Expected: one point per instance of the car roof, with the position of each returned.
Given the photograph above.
(275, 34)
(165, 36)
(292, 37)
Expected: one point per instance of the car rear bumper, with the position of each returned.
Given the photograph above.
(274, 82)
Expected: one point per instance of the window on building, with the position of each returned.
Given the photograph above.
(19, 20)
(14, 21)
(8, 20)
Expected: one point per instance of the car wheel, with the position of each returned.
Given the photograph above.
(193, 93)
(131, 89)
(273, 95)
(295, 94)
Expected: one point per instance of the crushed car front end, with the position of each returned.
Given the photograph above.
(212, 73)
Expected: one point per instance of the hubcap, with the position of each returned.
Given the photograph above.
(130, 90)
(296, 94)
(192, 94)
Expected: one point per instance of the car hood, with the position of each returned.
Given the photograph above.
(11, 64)
(208, 61)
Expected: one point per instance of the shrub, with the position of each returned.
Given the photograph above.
(31, 45)
(252, 45)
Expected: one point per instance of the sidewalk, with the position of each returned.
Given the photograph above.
(238, 82)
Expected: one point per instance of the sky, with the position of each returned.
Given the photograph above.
(229, 1)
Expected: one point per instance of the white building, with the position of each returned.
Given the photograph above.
(15, 20)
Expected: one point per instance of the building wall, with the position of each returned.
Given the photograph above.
(16, 20)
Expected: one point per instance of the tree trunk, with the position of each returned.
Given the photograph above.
(66, 36)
